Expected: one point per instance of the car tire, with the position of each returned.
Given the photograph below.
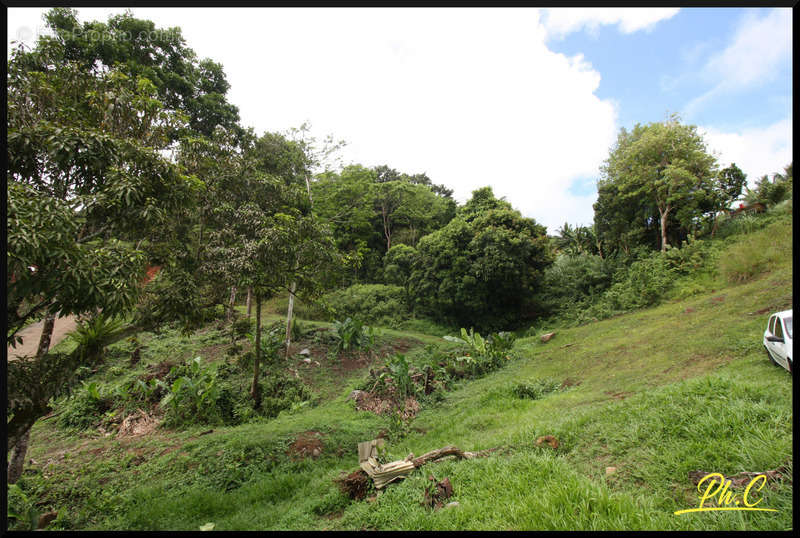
(773, 361)
(789, 362)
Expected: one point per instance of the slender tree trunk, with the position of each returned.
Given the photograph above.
(387, 230)
(293, 286)
(255, 390)
(664, 215)
(249, 301)
(289, 313)
(232, 303)
(47, 334)
(17, 461)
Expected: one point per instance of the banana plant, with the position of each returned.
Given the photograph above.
(350, 334)
(474, 341)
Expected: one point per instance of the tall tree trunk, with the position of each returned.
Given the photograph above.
(293, 286)
(255, 390)
(289, 313)
(17, 461)
(387, 229)
(231, 304)
(664, 215)
(249, 301)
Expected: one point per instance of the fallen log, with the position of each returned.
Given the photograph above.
(450, 451)
(389, 472)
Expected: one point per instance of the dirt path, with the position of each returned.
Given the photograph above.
(30, 336)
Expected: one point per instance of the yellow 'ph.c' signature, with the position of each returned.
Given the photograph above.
(726, 498)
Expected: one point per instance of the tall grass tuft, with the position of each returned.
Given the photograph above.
(753, 256)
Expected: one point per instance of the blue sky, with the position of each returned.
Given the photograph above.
(528, 101)
(649, 73)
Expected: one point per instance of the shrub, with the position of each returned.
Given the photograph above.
(573, 279)
(191, 394)
(690, 258)
(483, 355)
(85, 408)
(298, 331)
(271, 342)
(280, 391)
(370, 303)
(537, 389)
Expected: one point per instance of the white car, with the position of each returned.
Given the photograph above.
(778, 339)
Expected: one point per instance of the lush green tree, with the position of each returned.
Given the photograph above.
(664, 169)
(137, 48)
(371, 210)
(730, 181)
(622, 224)
(576, 240)
(87, 183)
(416, 209)
(270, 242)
(398, 265)
(84, 164)
(342, 200)
(482, 270)
(771, 191)
(482, 201)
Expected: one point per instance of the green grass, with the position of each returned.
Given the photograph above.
(655, 393)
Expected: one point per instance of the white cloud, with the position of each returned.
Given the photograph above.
(472, 97)
(759, 50)
(559, 22)
(757, 151)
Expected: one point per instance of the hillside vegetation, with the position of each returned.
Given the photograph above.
(654, 394)
(248, 309)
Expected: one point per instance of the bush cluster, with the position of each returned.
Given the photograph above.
(371, 303)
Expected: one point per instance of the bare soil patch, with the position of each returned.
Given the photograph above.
(306, 444)
(355, 485)
(384, 405)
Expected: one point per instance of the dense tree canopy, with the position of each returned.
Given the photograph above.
(140, 50)
(372, 209)
(658, 174)
(482, 269)
(86, 181)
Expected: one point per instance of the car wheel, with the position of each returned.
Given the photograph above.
(789, 362)
(774, 362)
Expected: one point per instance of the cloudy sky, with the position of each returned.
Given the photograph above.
(525, 100)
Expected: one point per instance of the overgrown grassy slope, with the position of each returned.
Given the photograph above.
(655, 394)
